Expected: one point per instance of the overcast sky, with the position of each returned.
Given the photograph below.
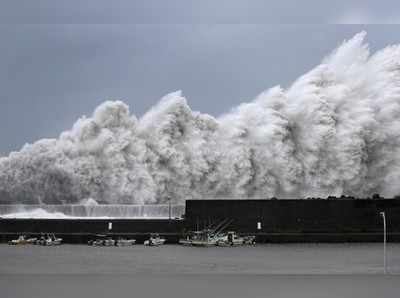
(51, 74)
(199, 11)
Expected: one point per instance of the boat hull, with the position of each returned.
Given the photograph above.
(125, 242)
(156, 242)
(18, 242)
(203, 243)
(185, 242)
(234, 243)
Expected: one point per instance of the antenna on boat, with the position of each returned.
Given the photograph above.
(218, 231)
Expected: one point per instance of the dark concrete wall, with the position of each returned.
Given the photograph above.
(334, 220)
(81, 230)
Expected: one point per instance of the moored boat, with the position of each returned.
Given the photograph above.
(230, 239)
(22, 240)
(125, 242)
(98, 241)
(109, 242)
(48, 240)
(250, 240)
(206, 237)
(154, 240)
(199, 238)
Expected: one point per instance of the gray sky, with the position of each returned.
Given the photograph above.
(50, 74)
(200, 11)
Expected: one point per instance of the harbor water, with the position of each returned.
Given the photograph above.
(271, 270)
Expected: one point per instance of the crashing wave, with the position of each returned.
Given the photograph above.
(335, 131)
(92, 211)
(36, 213)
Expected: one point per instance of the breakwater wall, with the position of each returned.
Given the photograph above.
(315, 220)
(83, 230)
(312, 220)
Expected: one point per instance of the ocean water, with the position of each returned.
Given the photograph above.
(271, 270)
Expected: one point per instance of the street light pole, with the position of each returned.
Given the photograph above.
(384, 240)
(169, 208)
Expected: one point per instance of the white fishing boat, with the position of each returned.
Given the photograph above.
(99, 241)
(187, 241)
(206, 237)
(199, 238)
(230, 239)
(22, 240)
(96, 242)
(154, 240)
(109, 242)
(250, 240)
(53, 240)
(40, 240)
(125, 242)
(49, 240)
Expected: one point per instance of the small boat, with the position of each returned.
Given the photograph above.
(99, 241)
(154, 240)
(49, 240)
(125, 242)
(109, 242)
(199, 238)
(230, 239)
(53, 240)
(40, 240)
(96, 242)
(185, 241)
(22, 240)
(250, 240)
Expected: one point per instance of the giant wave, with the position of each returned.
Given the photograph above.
(334, 131)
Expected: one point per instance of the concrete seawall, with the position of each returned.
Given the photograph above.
(82, 230)
(334, 220)
(313, 220)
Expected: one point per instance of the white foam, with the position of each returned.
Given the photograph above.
(36, 213)
(335, 131)
(91, 211)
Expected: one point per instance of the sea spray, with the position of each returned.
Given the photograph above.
(335, 131)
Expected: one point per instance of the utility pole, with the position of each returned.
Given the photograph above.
(384, 240)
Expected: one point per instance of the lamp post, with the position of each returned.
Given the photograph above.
(169, 208)
(384, 240)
